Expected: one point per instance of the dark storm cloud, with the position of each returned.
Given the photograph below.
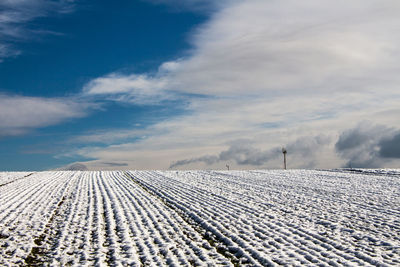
(245, 152)
(390, 148)
(241, 151)
(352, 138)
(205, 159)
(365, 146)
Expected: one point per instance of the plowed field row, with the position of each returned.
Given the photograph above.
(200, 218)
(293, 217)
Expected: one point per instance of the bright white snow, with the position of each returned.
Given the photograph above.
(256, 218)
(8, 177)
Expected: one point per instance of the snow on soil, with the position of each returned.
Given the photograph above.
(200, 218)
(8, 177)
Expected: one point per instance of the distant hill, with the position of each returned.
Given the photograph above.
(74, 167)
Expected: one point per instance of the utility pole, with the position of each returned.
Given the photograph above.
(284, 151)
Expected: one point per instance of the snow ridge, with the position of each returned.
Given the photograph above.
(200, 218)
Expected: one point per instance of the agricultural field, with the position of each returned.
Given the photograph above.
(9, 177)
(200, 218)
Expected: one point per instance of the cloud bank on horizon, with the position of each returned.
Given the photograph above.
(316, 76)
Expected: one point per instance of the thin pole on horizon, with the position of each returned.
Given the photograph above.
(284, 151)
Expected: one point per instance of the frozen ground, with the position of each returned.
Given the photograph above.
(8, 177)
(200, 218)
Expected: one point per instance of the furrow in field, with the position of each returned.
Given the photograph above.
(318, 217)
(67, 243)
(340, 205)
(24, 219)
(241, 254)
(170, 237)
(25, 199)
(246, 232)
(49, 240)
(303, 229)
(97, 235)
(15, 195)
(133, 208)
(253, 218)
(9, 177)
(107, 219)
(81, 227)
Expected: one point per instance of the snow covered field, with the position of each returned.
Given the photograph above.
(8, 177)
(255, 218)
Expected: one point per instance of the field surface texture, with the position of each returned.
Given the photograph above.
(200, 218)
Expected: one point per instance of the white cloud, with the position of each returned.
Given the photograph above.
(15, 16)
(139, 89)
(110, 136)
(275, 48)
(7, 51)
(306, 67)
(278, 47)
(20, 114)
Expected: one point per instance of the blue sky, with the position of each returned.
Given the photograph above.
(92, 39)
(95, 38)
(159, 85)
